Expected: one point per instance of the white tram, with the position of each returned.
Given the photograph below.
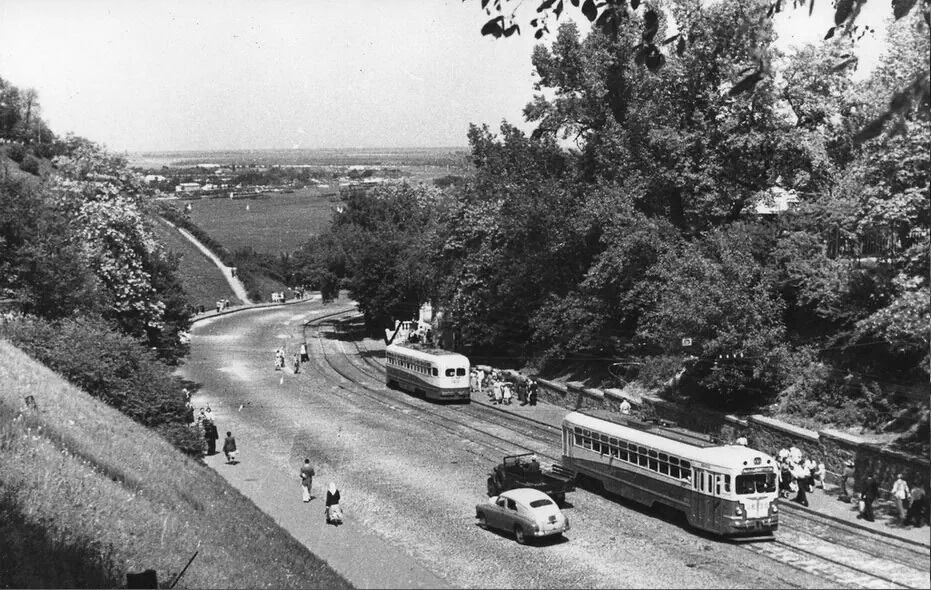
(431, 372)
(725, 489)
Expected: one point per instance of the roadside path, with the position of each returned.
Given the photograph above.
(227, 271)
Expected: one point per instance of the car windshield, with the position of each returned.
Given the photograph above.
(756, 483)
(541, 502)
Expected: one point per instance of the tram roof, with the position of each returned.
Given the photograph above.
(677, 441)
(420, 350)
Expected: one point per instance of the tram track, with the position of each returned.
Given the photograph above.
(850, 560)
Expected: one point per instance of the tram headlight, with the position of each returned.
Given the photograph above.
(773, 509)
(738, 510)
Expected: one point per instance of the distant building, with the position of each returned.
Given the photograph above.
(150, 178)
(187, 187)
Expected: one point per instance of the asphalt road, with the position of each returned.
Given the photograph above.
(409, 489)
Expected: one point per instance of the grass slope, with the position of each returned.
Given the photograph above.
(87, 495)
(202, 281)
(278, 223)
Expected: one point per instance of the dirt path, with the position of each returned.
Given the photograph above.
(227, 271)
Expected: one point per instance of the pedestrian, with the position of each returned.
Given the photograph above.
(304, 356)
(229, 447)
(506, 392)
(307, 480)
(522, 392)
(847, 482)
(211, 435)
(916, 505)
(742, 441)
(296, 360)
(867, 497)
(625, 406)
(497, 391)
(900, 495)
(532, 394)
(334, 514)
(219, 305)
(801, 478)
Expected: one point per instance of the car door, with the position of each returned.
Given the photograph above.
(496, 513)
(512, 515)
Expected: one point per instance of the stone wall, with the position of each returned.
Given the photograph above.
(766, 434)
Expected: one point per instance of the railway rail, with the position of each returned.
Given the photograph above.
(834, 552)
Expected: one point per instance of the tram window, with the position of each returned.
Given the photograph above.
(614, 452)
(613, 442)
(604, 438)
(450, 372)
(674, 471)
(663, 457)
(717, 484)
(686, 465)
(727, 484)
(622, 444)
(651, 453)
(622, 455)
(460, 372)
(664, 468)
(436, 372)
(674, 460)
(587, 442)
(755, 484)
(654, 465)
(642, 459)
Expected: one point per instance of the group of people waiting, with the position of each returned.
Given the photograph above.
(797, 475)
(331, 510)
(296, 359)
(503, 387)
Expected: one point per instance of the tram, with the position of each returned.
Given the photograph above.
(729, 490)
(431, 372)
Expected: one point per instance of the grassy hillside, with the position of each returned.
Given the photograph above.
(278, 223)
(86, 495)
(203, 283)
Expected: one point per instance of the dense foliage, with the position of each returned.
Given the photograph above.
(98, 297)
(655, 241)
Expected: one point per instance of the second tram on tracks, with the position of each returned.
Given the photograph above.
(725, 489)
(431, 372)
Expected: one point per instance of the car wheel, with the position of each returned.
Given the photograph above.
(492, 487)
(482, 520)
(519, 535)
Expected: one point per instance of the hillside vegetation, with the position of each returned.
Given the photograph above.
(87, 495)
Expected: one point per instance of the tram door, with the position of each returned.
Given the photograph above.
(706, 499)
(699, 500)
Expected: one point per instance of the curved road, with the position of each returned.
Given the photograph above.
(409, 489)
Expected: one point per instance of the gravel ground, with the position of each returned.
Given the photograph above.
(409, 489)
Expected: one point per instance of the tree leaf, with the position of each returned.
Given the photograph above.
(493, 27)
(484, 3)
(901, 7)
(545, 5)
(575, 3)
(830, 33)
(843, 10)
(511, 30)
(538, 34)
(634, 4)
(748, 83)
(589, 10)
(558, 10)
(811, 7)
(650, 25)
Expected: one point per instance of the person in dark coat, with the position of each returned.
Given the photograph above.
(334, 514)
(532, 393)
(869, 495)
(211, 434)
(229, 447)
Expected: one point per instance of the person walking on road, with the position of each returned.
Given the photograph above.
(900, 496)
(229, 447)
(304, 356)
(334, 514)
(211, 435)
(307, 480)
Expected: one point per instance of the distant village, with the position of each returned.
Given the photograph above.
(211, 180)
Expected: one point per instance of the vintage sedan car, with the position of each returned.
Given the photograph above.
(526, 512)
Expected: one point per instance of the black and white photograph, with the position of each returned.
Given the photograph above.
(465, 294)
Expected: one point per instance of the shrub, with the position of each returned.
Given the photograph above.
(30, 164)
(17, 152)
(116, 369)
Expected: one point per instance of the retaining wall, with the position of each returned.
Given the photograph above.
(767, 434)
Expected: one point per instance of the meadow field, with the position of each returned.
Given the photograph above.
(272, 224)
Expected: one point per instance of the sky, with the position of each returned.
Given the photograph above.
(237, 74)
